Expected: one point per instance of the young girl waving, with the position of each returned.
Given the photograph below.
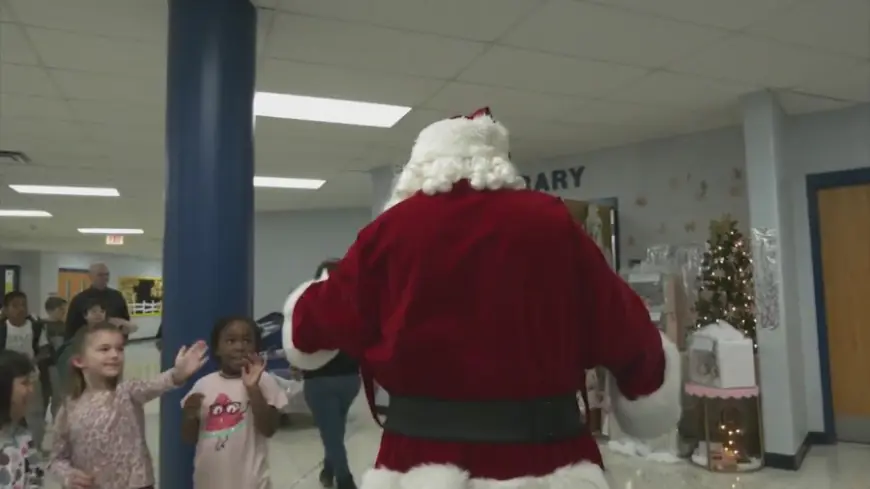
(20, 467)
(229, 414)
(99, 432)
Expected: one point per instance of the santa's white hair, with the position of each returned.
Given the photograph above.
(473, 148)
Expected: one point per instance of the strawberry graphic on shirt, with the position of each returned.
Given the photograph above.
(224, 416)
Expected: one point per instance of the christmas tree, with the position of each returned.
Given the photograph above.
(726, 287)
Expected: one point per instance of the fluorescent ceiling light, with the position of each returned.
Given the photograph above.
(76, 191)
(335, 111)
(23, 213)
(297, 183)
(110, 231)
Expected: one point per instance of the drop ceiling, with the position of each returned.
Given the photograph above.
(83, 87)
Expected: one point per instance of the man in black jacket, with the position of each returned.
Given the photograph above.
(113, 300)
(329, 392)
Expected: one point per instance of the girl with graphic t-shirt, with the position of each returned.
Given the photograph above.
(230, 413)
(20, 464)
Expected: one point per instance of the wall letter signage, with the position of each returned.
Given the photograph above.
(555, 180)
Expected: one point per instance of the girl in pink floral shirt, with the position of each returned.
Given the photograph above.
(99, 433)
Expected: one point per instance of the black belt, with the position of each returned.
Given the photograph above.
(540, 420)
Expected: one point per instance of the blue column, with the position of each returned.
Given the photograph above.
(208, 239)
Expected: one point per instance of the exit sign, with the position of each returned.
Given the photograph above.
(114, 239)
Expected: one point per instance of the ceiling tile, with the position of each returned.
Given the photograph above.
(610, 113)
(798, 103)
(14, 46)
(91, 86)
(663, 88)
(615, 35)
(84, 52)
(548, 73)
(759, 62)
(480, 20)
(137, 19)
(463, 98)
(343, 83)
(842, 26)
(119, 113)
(26, 80)
(40, 107)
(851, 83)
(355, 45)
(733, 14)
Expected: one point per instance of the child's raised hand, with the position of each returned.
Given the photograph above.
(189, 360)
(80, 480)
(252, 372)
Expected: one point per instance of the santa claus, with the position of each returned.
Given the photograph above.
(479, 306)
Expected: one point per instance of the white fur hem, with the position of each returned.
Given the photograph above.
(296, 358)
(579, 476)
(654, 415)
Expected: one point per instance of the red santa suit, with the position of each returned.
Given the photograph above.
(471, 299)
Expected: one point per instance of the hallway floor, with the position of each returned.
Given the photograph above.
(295, 456)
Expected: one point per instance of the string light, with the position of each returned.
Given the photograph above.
(726, 285)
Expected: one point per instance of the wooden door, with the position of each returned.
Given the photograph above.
(71, 282)
(844, 226)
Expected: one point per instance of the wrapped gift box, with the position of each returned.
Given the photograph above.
(664, 297)
(721, 356)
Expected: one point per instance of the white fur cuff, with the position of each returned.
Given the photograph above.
(654, 415)
(584, 475)
(298, 359)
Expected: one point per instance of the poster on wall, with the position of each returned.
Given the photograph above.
(144, 295)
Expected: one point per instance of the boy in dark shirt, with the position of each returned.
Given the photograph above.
(55, 325)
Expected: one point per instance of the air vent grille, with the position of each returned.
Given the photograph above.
(13, 158)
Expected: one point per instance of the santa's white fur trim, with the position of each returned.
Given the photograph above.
(458, 149)
(296, 358)
(654, 415)
(579, 476)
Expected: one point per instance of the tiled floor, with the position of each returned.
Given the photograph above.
(295, 455)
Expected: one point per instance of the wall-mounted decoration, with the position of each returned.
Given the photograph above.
(555, 180)
(144, 295)
(640, 202)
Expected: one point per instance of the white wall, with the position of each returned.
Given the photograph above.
(818, 143)
(30, 279)
(288, 246)
(661, 186)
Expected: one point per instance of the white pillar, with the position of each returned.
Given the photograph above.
(779, 350)
(382, 186)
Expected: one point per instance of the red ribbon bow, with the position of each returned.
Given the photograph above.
(474, 115)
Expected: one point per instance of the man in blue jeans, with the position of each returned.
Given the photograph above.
(329, 392)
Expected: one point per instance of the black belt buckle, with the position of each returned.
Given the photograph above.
(553, 420)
